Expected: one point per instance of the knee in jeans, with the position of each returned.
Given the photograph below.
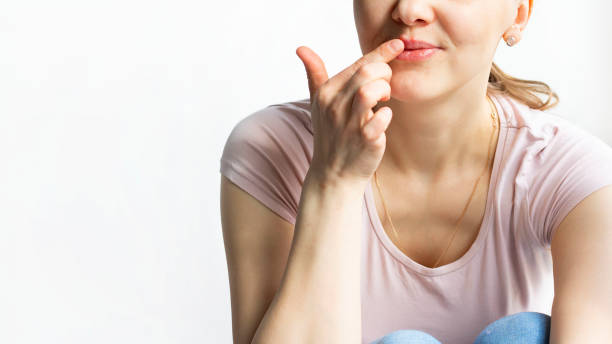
(407, 337)
(526, 327)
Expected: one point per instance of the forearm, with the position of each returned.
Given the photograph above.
(319, 299)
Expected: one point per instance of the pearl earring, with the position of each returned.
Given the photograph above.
(510, 41)
(513, 37)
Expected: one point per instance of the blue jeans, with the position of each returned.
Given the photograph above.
(523, 327)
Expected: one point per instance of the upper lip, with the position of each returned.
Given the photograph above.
(416, 44)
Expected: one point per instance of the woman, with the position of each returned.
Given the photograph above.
(424, 187)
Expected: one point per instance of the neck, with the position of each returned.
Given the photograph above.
(435, 138)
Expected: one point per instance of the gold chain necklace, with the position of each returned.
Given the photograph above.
(494, 118)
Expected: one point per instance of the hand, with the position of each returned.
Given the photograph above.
(349, 138)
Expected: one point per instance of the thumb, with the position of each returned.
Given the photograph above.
(315, 69)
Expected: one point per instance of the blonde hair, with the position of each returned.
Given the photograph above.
(522, 90)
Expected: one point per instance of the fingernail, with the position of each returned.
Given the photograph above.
(396, 44)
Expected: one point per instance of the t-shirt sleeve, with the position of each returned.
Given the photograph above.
(267, 154)
(571, 166)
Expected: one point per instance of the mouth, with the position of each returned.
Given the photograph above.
(421, 49)
(414, 44)
(415, 55)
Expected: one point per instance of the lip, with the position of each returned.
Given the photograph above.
(417, 54)
(417, 50)
(410, 44)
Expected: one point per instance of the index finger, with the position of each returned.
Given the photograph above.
(385, 52)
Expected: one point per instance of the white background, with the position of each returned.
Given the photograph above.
(113, 117)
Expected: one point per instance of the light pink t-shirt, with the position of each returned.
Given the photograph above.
(544, 165)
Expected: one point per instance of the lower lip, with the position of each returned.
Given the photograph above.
(417, 54)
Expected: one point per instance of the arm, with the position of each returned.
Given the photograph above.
(257, 242)
(319, 299)
(582, 266)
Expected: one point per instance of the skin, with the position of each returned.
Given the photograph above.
(440, 113)
(438, 137)
(435, 137)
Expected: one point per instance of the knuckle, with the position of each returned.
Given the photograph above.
(381, 85)
(387, 69)
(366, 132)
(335, 112)
(368, 71)
(364, 93)
(361, 62)
(386, 86)
(323, 97)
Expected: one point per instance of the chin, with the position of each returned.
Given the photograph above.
(411, 92)
(408, 88)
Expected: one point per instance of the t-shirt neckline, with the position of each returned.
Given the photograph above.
(485, 225)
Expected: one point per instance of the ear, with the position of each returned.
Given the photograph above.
(523, 13)
(530, 7)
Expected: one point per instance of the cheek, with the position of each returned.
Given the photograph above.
(471, 32)
(370, 19)
(467, 25)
